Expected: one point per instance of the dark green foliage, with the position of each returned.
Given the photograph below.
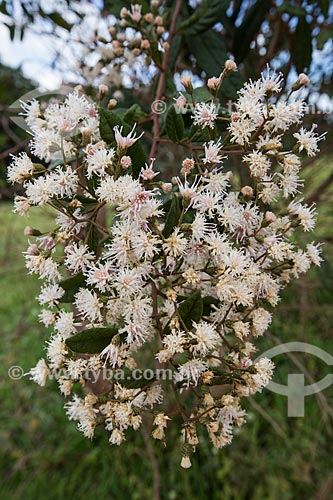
(191, 309)
(91, 341)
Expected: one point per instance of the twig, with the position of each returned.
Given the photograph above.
(162, 79)
(154, 462)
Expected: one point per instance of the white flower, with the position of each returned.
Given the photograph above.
(271, 81)
(41, 190)
(212, 150)
(88, 305)
(259, 163)
(56, 351)
(98, 160)
(191, 371)
(47, 317)
(306, 215)
(175, 244)
(241, 130)
(21, 205)
(99, 275)
(125, 142)
(64, 324)
(117, 436)
(39, 373)
(65, 182)
(308, 140)
(75, 368)
(128, 281)
(260, 320)
(205, 337)
(205, 114)
(50, 294)
(78, 257)
(20, 169)
(313, 252)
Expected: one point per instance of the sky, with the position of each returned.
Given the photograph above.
(34, 53)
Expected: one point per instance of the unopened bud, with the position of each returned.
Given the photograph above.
(185, 462)
(247, 191)
(145, 44)
(149, 18)
(230, 65)
(187, 165)
(103, 89)
(125, 162)
(213, 83)
(270, 217)
(166, 187)
(186, 81)
(302, 81)
(30, 231)
(112, 103)
(158, 21)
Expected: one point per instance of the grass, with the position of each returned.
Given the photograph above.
(272, 458)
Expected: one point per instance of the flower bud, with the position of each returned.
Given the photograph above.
(103, 89)
(302, 81)
(125, 162)
(247, 191)
(230, 65)
(158, 21)
(166, 187)
(185, 462)
(149, 18)
(145, 44)
(270, 217)
(112, 103)
(213, 83)
(186, 81)
(30, 231)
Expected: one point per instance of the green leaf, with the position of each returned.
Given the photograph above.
(295, 10)
(60, 21)
(91, 341)
(324, 35)
(174, 124)
(131, 382)
(202, 94)
(325, 5)
(208, 302)
(174, 50)
(134, 114)
(302, 45)
(114, 6)
(249, 28)
(71, 286)
(198, 134)
(93, 237)
(108, 120)
(172, 217)
(191, 309)
(205, 16)
(210, 51)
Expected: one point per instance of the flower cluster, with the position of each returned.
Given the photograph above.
(186, 274)
(113, 50)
